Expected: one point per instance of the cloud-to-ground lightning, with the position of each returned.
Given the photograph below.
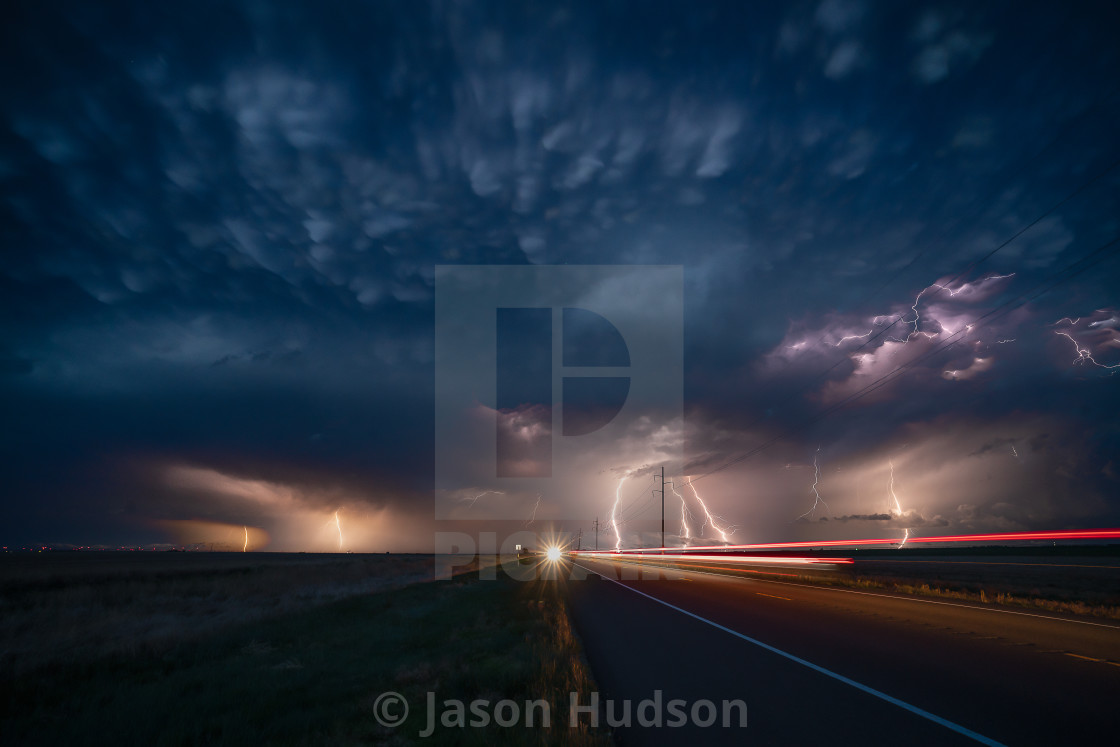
(817, 500)
(245, 546)
(897, 510)
(685, 514)
(533, 514)
(338, 525)
(905, 537)
(709, 518)
(614, 513)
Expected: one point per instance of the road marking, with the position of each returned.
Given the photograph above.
(817, 668)
(905, 599)
(772, 596)
(1086, 658)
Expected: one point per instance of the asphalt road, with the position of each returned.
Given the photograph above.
(844, 666)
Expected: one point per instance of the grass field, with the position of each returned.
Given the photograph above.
(304, 674)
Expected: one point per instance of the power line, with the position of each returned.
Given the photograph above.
(1065, 130)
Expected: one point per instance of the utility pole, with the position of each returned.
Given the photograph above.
(596, 534)
(579, 538)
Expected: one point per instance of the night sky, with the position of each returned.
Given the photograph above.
(221, 223)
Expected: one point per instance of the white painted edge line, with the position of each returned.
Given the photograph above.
(884, 596)
(817, 668)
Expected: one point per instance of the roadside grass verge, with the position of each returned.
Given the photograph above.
(983, 596)
(311, 677)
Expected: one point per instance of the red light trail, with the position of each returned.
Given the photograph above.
(1065, 534)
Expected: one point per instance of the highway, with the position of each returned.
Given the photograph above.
(842, 665)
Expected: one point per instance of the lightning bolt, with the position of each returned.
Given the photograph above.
(852, 337)
(966, 285)
(475, 499)
(338, 525)
(614, 512)
(1013, 451)
(1084, 354)
(685, 533)
(952, 292)
(917, 317)
(533, 515)
(709, 518)
(245, 547)
(904, 538)
(897, 506)
(816, 481)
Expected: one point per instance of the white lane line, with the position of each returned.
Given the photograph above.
(891, 596)
(817, 668)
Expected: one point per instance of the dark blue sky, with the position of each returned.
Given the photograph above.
(221, 222)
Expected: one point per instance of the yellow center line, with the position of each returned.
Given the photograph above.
(1086, 658)
(773, 596)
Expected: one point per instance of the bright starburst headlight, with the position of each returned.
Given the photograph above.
(553, 554)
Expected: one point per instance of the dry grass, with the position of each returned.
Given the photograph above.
(309, 674)
(69, 607)
(984, 596)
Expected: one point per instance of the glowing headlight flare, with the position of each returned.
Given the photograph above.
(817, 501)
(552, 554)
(709, 518)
